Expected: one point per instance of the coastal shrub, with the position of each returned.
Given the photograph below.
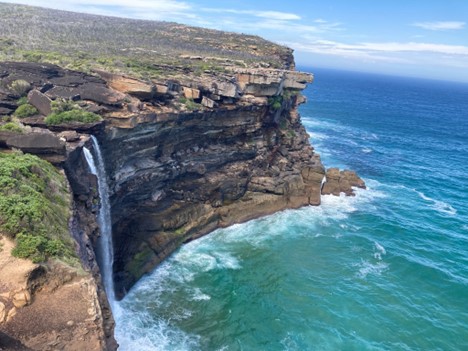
(190, 104)
(22, 100)
(34, 207)
(11, 127)
(287, 94)
(75, 115)
(62, 105)
(38, 247)
(20, 87)
(275, 102)
(25, 110)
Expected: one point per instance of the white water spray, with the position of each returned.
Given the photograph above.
(105, 247)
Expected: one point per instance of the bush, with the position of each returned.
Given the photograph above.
(30, 246)
(72, 116)
(275, 102)
(20, 87)
(22, 100)
(34, 207)
(11, 127)
(26, 110)
(60, 105)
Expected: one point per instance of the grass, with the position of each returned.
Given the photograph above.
(74, 115)
(34, 207)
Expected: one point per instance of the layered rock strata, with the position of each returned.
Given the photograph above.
(184, 157)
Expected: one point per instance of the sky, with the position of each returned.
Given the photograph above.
(421, 38)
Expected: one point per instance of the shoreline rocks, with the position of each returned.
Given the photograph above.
(337, 182)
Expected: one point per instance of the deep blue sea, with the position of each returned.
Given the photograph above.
(385, 270)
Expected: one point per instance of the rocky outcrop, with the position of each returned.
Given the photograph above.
(270, 82)
(341, 182)
(129, 85)
(46, 145)
(55, 82)
(48, 307)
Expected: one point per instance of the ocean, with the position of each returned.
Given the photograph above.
(385, 270)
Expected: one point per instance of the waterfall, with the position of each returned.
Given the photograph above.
(105, 247)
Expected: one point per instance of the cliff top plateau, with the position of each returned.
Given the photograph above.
(137, 47)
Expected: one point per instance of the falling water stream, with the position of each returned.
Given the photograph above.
(105, 247)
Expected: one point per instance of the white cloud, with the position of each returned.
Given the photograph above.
(148, 9)
(389, 47)
(447, 25)
(416, 47)
(160, 5)
(393, 52)
(273, 15)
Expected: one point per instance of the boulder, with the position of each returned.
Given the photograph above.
(100, 94)
(69, 135)
(161, 89)
(207, 102)
(21, 298)
(37, 143)
(128, 85)
(191, 93)
(40, 101)
(226, 89)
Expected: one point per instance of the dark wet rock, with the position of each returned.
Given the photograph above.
(6, 111)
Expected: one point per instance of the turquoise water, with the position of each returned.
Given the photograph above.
(385, 270)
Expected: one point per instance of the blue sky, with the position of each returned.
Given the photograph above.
(424, 38)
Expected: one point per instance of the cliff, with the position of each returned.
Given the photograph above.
(199, 129)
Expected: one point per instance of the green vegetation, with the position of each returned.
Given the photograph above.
(25, 110)
(34, 207)
(11, 127)
(136, 265)
(190, 104)
(84, 42)
(74, 115)
(63, 105)
(22, 101)
(66, 111)
(20, 87)
(288, 93)
(275, 102)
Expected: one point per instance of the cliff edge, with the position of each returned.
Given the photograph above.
(199, 129)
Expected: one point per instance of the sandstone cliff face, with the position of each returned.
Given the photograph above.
(176, 176)
(183, 156)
